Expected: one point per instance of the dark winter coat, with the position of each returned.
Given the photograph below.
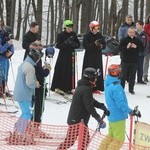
(130, 55)
(93, 56)
(83, 104)
(28, 38)
(145, 41)
(64, 68)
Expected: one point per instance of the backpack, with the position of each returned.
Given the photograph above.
(112, 46)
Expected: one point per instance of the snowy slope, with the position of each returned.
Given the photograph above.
(57, 114)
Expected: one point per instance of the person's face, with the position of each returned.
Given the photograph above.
(129, 20)
(69, 29)
(131, 32)
(35, 29)
(139, 27)
(96, 29)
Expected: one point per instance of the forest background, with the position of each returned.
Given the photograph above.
(50, 15)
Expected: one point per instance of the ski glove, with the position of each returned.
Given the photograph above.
(70, 40)
(102, 124)
(135, 112)
(106, 111)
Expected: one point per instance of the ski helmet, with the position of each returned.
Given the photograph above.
(114, 70)
(94, 24)
(35, 54)
(49, 51)
(68, 23)
(91, 73)
(6, 30)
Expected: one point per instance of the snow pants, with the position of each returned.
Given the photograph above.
(115, 138)
(22, 123)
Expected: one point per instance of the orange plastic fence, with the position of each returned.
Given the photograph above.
(50, 137)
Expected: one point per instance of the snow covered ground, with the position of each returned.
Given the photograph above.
(57, 114)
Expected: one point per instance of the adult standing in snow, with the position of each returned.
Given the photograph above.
(117, 104)
(147, 57)
(130, 47)
(67, 42)
(82, 106)
(23, 92)
(93, 42)
(6, 51)
(41, 72)
(141, 34)
(31, 36)
(123, 29)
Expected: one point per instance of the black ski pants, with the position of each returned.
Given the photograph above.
(128, 70)
(38, 105)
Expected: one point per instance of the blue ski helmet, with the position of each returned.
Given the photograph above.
(49, 51)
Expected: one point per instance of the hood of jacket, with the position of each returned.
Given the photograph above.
(110, 79)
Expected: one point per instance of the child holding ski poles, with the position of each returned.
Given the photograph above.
(117, 104)
(82, 106)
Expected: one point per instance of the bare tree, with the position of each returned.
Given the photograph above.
(112, 18)
(67, 6)
(106, 13)
(136, 5)
(75, 13)
(141, 9)
(1, 10)
(85, 15)
(147, 8)
(100, 13)
(19, 21)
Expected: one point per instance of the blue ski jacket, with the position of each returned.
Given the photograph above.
(116, 99)
(25, 81)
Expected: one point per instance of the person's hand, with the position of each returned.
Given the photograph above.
(136, 112)
(8, 54)
(106, 111)
(47, 66)
(133, 45)
(10, 42)
(37, 84)
(129, 45)
(102, 124)
(98, 43)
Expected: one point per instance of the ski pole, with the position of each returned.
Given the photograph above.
(76, 65)
(131, 129)
(12, 71)
(106, 65)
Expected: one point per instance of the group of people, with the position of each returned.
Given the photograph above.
(134, 53)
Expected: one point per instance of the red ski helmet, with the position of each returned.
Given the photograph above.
(94, 24)
(114, 70)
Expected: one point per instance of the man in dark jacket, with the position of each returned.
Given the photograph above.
(82, 106)
(64, 72)
(130, 47)
(30, 36)
(93, 42)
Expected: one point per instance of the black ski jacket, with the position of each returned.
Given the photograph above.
(83, 104)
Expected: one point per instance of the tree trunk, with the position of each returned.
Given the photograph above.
(67, 6)
(85, 15)
(1, 10)
(19, 21)
(39, 16)
(147, 12)
(136, 4)
(52, 22)
(141, 9)
(105, 17)
(101, 14)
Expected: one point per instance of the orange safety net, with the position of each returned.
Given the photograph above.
(50, 137)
